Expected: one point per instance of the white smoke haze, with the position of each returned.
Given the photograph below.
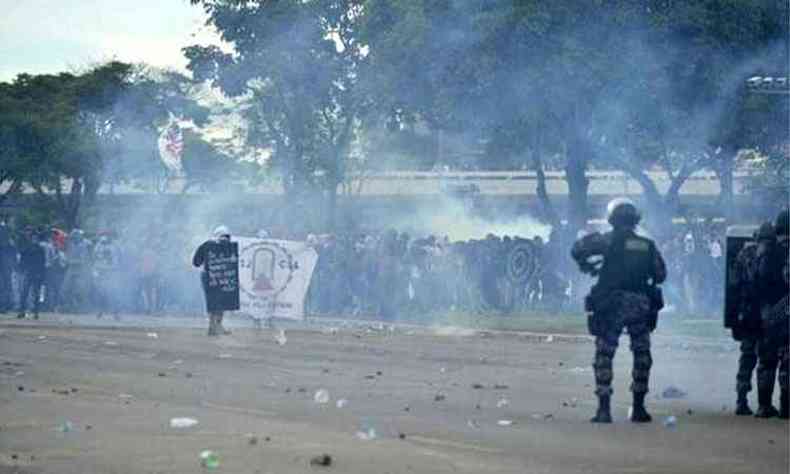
(450, 217)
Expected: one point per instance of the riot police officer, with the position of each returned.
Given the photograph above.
(628, 267)
(746, 327)
(773, 288)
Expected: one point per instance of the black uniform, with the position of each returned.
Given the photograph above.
(624, 297)
(747, 328)
(772, 294)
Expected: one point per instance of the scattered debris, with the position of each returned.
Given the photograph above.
(209, 459)
(368, 434)
(324, 460)
(570, 403)
(280, 338)
(670, 422)
(321, 396)
(183, 422)
(66, 427)
(673, 392)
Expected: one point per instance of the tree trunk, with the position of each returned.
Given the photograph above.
(547, 208)
(726, 192)
(575, 175)
(331, 206)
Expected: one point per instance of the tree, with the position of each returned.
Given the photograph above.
(625, 83)
(65, 135)
(299, 66)
(205, 166)
(500, 66)
(691, 110)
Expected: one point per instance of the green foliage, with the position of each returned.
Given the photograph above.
(298, 66)
(205, 165)
(624, 83)
(65, 135)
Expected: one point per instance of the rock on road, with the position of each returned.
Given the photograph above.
(83, 399)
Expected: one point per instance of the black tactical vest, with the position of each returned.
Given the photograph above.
(627, 263)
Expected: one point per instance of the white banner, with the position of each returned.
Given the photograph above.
(274, 276)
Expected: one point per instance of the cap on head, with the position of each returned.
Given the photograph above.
(221, 231)
(782, 225)
(622, 212)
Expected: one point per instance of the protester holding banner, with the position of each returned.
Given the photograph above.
(219, 258)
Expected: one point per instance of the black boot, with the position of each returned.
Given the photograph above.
(766, 408)
(784, 409)
(742, 406)
(604, 414)
(639, 414)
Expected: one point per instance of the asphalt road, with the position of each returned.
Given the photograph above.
(79, 398)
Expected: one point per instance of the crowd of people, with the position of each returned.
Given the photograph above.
(385, 274)
(48, 269)
(392, 274)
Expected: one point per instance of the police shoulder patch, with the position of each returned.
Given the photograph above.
(637, 245)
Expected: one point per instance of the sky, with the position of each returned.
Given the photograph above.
(50, 36)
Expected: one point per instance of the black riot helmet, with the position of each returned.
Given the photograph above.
(766, 232)
(622, 212)
(782, 225)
